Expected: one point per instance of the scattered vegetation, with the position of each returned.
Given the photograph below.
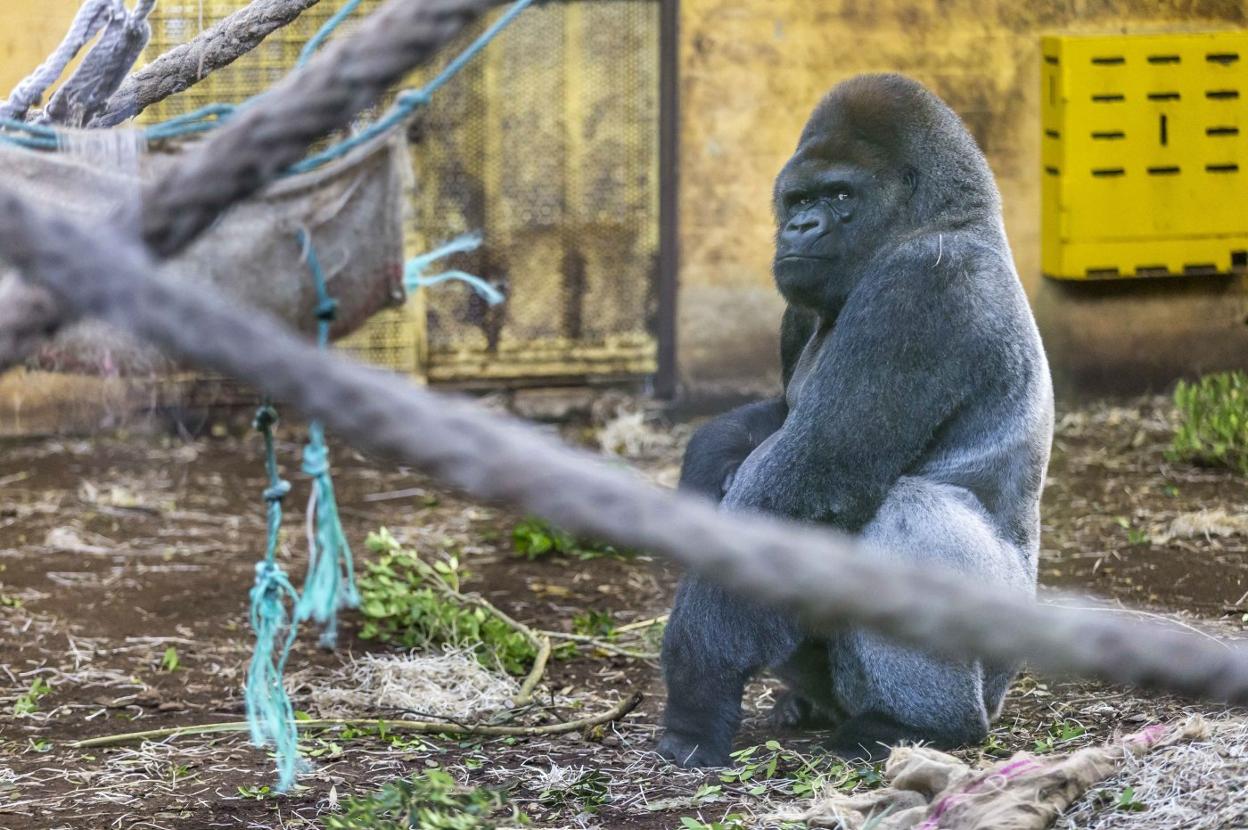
(587, 793)
(1059, 734)
(430, 800)
(417, 604)
(536, 538)
(170, 662)
(803, 775)
(28, 703)
(1213, 426)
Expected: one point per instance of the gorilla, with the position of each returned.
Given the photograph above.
(917, 414)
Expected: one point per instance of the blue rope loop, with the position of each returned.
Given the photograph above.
(414, 277)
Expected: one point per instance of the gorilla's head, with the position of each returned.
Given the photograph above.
(880, 161)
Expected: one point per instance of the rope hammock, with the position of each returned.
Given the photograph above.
(276, 606)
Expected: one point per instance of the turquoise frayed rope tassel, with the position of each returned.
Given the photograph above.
(330, 584)
(269, 713)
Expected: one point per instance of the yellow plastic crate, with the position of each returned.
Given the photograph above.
(1145, 154)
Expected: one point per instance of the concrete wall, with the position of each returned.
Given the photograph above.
(753, 70)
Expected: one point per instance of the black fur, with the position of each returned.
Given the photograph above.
(917, 413)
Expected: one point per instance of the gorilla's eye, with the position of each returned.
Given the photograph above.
(803, 202)
(843, 195)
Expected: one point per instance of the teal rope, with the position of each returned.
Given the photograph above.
(322, 34)
(197, 121)
(410, 100)
(330, 584)
(414, 277)
(269, 713)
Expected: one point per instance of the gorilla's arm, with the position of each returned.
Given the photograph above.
(796, 327)
(717, 449)
(909, 348)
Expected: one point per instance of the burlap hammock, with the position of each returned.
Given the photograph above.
(352, 208)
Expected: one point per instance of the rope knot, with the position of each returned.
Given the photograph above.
(278, 491)
(315, 460)
(410, 99)
(327, 310)
(266, 417)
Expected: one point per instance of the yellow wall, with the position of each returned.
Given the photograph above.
(753, 70)
(29, 31)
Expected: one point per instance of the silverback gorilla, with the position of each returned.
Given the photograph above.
(917, 413)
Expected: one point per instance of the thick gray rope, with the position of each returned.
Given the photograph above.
(824, 576)
(189, 63)
(103, 69)
(92, 16)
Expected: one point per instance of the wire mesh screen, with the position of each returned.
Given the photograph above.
(548, 145)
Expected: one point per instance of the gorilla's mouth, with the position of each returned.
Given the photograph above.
(803, 258)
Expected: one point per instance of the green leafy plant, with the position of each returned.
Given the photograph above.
(170, 662)
(593, 623)
(535, 538)
(416, 604)
(1213, 426)
(732, 821)
(255, 793)
(430, 800)
(28, 703)
(1127, 801)
(587, 793)
(1062, 732)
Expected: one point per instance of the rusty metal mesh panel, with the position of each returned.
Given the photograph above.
(548, 145)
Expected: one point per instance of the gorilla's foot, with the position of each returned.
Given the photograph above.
(870, 737)
(793, 711)
(685, 751)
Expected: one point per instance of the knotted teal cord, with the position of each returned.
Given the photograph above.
(330, 584)
(414, 277)
(269, 713)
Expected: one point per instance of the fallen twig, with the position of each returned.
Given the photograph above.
(616, 712)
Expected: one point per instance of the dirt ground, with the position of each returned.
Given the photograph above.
(117, 548)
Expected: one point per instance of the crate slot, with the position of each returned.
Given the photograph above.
(1224, 58)
(1109, 60)
(1052, 134)
(1109, 135)
(1101, 273)
(1164, 170)
(1052, 171)
(1152, 271)
(1164, 59)
(1051, 60)
(1164, 96)
(1222, 168)
(1221, 131)
(1105, 172)
(1109, 98)
(1222, 94)
(1200, 269)
(1239, 259)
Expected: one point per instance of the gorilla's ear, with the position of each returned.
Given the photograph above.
(911, 179)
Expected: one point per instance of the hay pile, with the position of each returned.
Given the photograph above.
(451, 686)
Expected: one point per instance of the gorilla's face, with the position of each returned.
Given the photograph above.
(833, 210)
